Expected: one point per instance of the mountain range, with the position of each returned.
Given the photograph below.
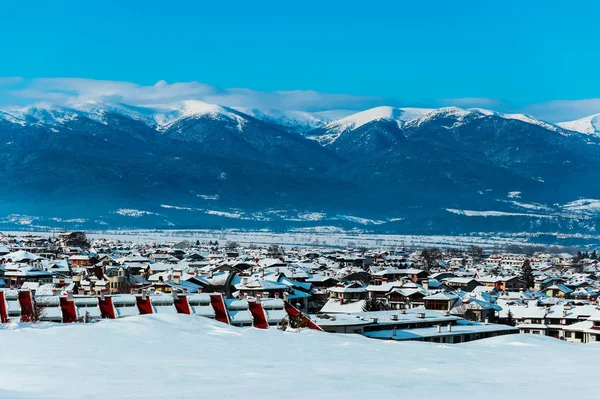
(197, 165)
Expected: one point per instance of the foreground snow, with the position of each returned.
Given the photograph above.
(179, 356)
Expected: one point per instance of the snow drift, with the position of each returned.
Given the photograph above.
(178, 356)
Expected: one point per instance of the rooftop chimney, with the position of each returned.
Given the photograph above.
(449, 327)
(439, 328)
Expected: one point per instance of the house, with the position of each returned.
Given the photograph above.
(16, 274)
(20, 257)
(195, 257)
(82, 260)
(406, 298)
(410, 325)
(348, 291)
(380, 291)
(463, 283)
(442, 276)
(441, 301)
(381, 275)
(159, 267)
(584, 331)
(415, 275)
(558, 291)
(163, 258)
(180, 286)
(477, 307)
(502, 283)
(261, 287)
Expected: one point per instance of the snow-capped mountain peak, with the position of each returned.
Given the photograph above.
(38, 115)
(354, 121)
(446, 112)
(166, 115)
(521, 117)
(296, 121)
(589, 125)
(159, 116)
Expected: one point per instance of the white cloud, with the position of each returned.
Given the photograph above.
(551, 111)
(16, 90)
(10, 80)
(564, 110)
(474, 102)
(73, 90)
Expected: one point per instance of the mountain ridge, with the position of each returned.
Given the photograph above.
(398, 169)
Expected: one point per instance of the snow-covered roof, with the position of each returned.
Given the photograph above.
(334, 306)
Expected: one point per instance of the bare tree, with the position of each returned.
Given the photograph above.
(275, 250)
(37, 311)
(298, 321)
(231, 245)
(85, 318)
(476, 253)
(431, 257)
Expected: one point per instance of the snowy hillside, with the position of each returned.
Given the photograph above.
(380, 113)
(519, 117)
(334, 121)
(167, 115)
(180, 356)
(160, 116)
(249, 163)
(414, 117)
(588, 125)
(334, 129)
(296, 121)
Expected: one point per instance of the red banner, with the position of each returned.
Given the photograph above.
(182, 305)
(69, 312)
(26, 302)
(144, 305)
(107, 310)
(293, 312)
(3, 308)
(258, 315)
(216, 300)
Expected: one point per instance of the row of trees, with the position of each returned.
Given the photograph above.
(432, 256)
(585, 255)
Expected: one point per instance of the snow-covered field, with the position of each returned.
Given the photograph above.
(179, 356)
(326, 237)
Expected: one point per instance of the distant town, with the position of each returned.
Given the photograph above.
(444, 295)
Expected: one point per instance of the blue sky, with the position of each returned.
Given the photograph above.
(537, 56)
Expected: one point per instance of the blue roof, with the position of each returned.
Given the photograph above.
(294, 283)
(296, 294)
(185, 285)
